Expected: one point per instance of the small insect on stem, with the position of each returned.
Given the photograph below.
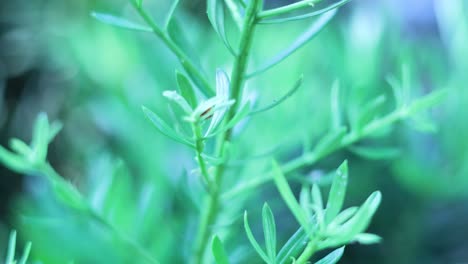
(205, 114)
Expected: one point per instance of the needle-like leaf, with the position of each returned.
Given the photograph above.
(119, 22)
(309, 34)
(269, 231)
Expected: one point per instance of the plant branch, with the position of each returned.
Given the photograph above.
(307, 253)
(237, 81)
(199, 146)
(310, 158)
(186, 62)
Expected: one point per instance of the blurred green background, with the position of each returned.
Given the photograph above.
(54, 57)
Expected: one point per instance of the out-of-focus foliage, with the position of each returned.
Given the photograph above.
(56, 57)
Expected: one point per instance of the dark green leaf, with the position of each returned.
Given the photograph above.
(219, 253)
(164, 128)
(119, 22)
(337, 192)
(279, 100)
(269, 230)
(252, 240)
(186, 89)
(333, 257)
(308, 35)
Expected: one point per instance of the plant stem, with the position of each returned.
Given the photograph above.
(199, 146)
(287, 9)
(187, 64)
(307, 253)
(311, 158)
(210, 213)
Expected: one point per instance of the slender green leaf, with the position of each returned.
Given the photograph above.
(281, 99)
(186, 89)
(20, 147)
(10, 256)
(293, 247)
(269, 231)
(119, 22)
(367, 239)
(288, 197)
(40, 140)
(170, 13)
(317, 197)
(427, 101)
(164, 128)
(342, 217)
(375, 153)
(219, 253)
(252, 240)
(215, 12)
(333, 257)
(235, 8)
(25, 255)
(356, 225)
(303, 16)
(308, 35)
(55, 128)
(337, 192)
(177, 34)
(304, 200)
(14, 162)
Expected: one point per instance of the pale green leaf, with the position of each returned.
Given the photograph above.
(252, 240)
(337, 192)
(367, 239)
(288, 197)
(269, 231)
(119, 22)
(10, 256)
(164, 128)
(215, 12)
(333, 257)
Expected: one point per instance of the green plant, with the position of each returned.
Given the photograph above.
(205, 121)
(10, 257)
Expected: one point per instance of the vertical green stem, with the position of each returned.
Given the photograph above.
(211, 209)
(307, 253)
(199, 146)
